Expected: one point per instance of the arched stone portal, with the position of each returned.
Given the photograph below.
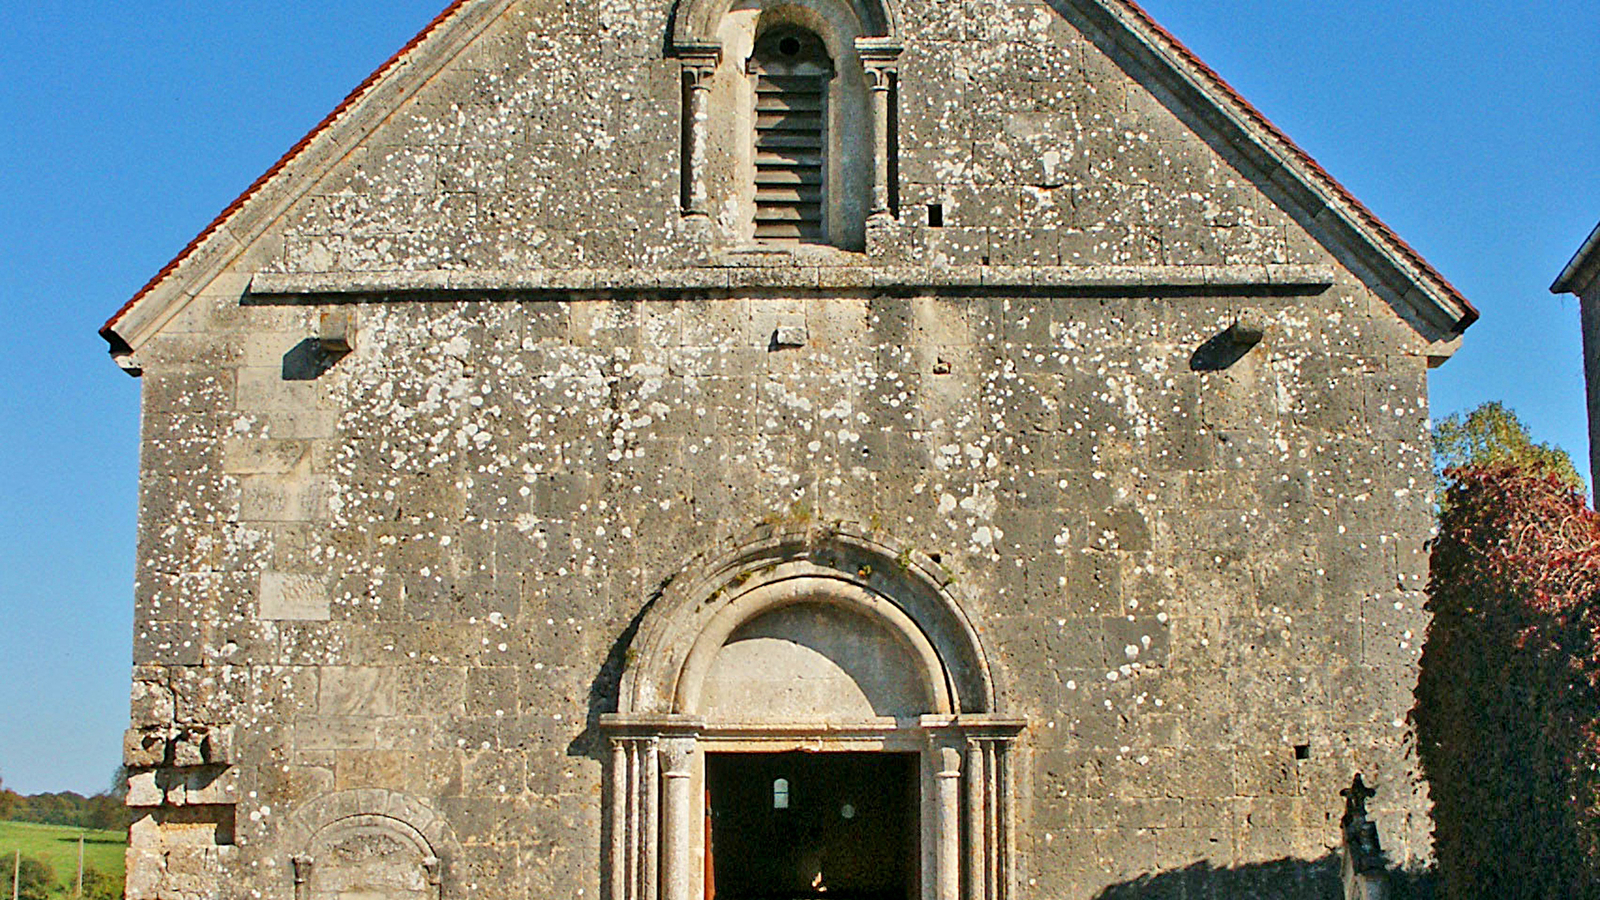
(822, 643)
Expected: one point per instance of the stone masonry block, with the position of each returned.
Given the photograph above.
(351, 691)
(220, 745)
(284, 498)
(144, 747)
(293, 597)
(143, 790)
(152, 703)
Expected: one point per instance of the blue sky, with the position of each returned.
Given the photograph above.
(125, 127)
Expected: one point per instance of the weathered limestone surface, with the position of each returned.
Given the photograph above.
(403, 577)
(552, 142)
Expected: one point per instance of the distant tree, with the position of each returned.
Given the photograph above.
(72, 809)
(60, 808)
(1492, 436)
(8, 801)
(106, 812)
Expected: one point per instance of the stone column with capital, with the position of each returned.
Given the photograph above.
(677, 808)
(650, 823)
(619, 820)
(302, 864)
(431, 873)
(634, 848)
(878, 59)
(976, 850)
(976, 759)
(947, 812)
(879, 82)
(698, 68)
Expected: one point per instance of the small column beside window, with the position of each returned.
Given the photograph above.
(698, 67)
(880, 72)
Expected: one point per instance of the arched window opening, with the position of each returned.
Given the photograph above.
(780, 793)
(791, 71)
(789, 122)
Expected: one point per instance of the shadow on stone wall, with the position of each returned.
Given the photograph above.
(1417, 884)
(1282, 879)
(604, 696)
(1289, 879)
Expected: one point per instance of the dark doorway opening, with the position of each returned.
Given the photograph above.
(829, 826)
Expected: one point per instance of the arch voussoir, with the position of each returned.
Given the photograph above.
(695, 23)
(841, 564)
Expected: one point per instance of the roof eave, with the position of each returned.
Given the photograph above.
(1584, 269)
(244, 219)
(1402, 271)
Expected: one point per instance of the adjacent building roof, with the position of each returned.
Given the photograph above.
(1123, 22)
(1584, 270)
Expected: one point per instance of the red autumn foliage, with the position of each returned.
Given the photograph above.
(1508, 700)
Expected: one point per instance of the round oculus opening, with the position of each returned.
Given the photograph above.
(789, 46)
(847, 811)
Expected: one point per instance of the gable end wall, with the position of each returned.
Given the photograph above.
(410, 568)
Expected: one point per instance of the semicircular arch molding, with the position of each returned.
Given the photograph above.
(408, 817)
(902, 591)
(696, 23)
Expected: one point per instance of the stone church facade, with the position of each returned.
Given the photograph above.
(868, 448)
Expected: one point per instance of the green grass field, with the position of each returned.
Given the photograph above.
(58, 846)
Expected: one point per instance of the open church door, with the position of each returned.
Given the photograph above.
(812, 826)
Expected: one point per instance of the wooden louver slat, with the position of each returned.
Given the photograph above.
(791, 147)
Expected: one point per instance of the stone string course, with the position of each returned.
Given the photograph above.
(848, 273)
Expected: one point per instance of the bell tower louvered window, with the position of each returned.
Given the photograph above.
(791, 71)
